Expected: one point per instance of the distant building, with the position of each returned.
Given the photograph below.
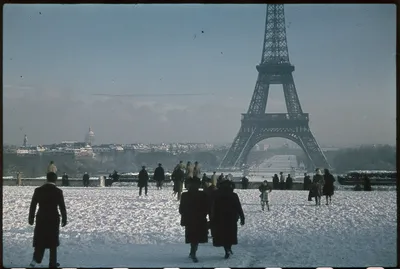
(89, 138)
(25, 144)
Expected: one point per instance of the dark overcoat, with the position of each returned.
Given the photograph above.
(194, 209)
(159, 174)
(316, 188)
(143, 178)
(178, 176)
(328, 188)
(225, 214)
(47, 228)
(64, 180)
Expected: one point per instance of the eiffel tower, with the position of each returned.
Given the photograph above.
(256, 124)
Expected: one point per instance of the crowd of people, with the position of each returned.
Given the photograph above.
(217, 200)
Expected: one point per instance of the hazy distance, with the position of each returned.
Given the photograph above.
(55, 57)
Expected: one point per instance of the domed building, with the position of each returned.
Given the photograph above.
(89, 138)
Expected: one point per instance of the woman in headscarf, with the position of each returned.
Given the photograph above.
(225, 214)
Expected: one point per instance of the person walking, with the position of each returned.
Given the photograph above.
(194, 210)
(86, 179)
(52, 167)
(64, 180)
(289, 182)
(329, 187)
(19, 179)
(225, 213)
(214, 178)
(143, 181)
(178, 177)
(159, 176)
(282, 181)
(47, 228)
(318, 182)
(264, 189)
(188, 174)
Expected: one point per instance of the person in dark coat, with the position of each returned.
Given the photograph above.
(245, 183)
(367, 183)
(47, 228)
(143, 180)
(306, 182)
(225, 213)
(204, 181)
(159, 176)
(194, 210)
(86, 180)
(289, 182)
(316, 189)
(178, 177)
(115, 176)
(328, 188)
(64, 180)
(275, 182)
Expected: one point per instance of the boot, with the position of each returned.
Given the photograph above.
(227, 252)
(192, 255)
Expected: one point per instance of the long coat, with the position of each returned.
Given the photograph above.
(194, 210)
(47, 228)
(316, 187)
(65, 181)
(159, 174)
(226, 211)
(178, 176)
(143, 178)
(52, 168)
(328, 188)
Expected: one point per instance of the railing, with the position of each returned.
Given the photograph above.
(274, 116)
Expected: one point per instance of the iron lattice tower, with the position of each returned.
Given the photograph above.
(256, 124)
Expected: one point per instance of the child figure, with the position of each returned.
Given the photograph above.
(264, 187)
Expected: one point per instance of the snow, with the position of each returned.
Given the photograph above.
(113, 227)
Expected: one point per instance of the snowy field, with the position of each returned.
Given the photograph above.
(357, 230)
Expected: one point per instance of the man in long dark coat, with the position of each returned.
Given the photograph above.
(329, 187)
(275, 182)
(159, 176)
(143, 180)
(194, 209)
(86, 180)
(245, 182)
(47, 228)
(115, 176)
(64, 180)
(178, 177)
(225, 213)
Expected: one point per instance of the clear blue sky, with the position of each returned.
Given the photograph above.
(56, 56)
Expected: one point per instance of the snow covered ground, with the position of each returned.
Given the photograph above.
(357, 230)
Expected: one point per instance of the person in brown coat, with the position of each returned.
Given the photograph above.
(225, 213)
(47, 228)
(194, 210)
(52, 167)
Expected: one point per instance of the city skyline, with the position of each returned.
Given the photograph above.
(57, 56)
